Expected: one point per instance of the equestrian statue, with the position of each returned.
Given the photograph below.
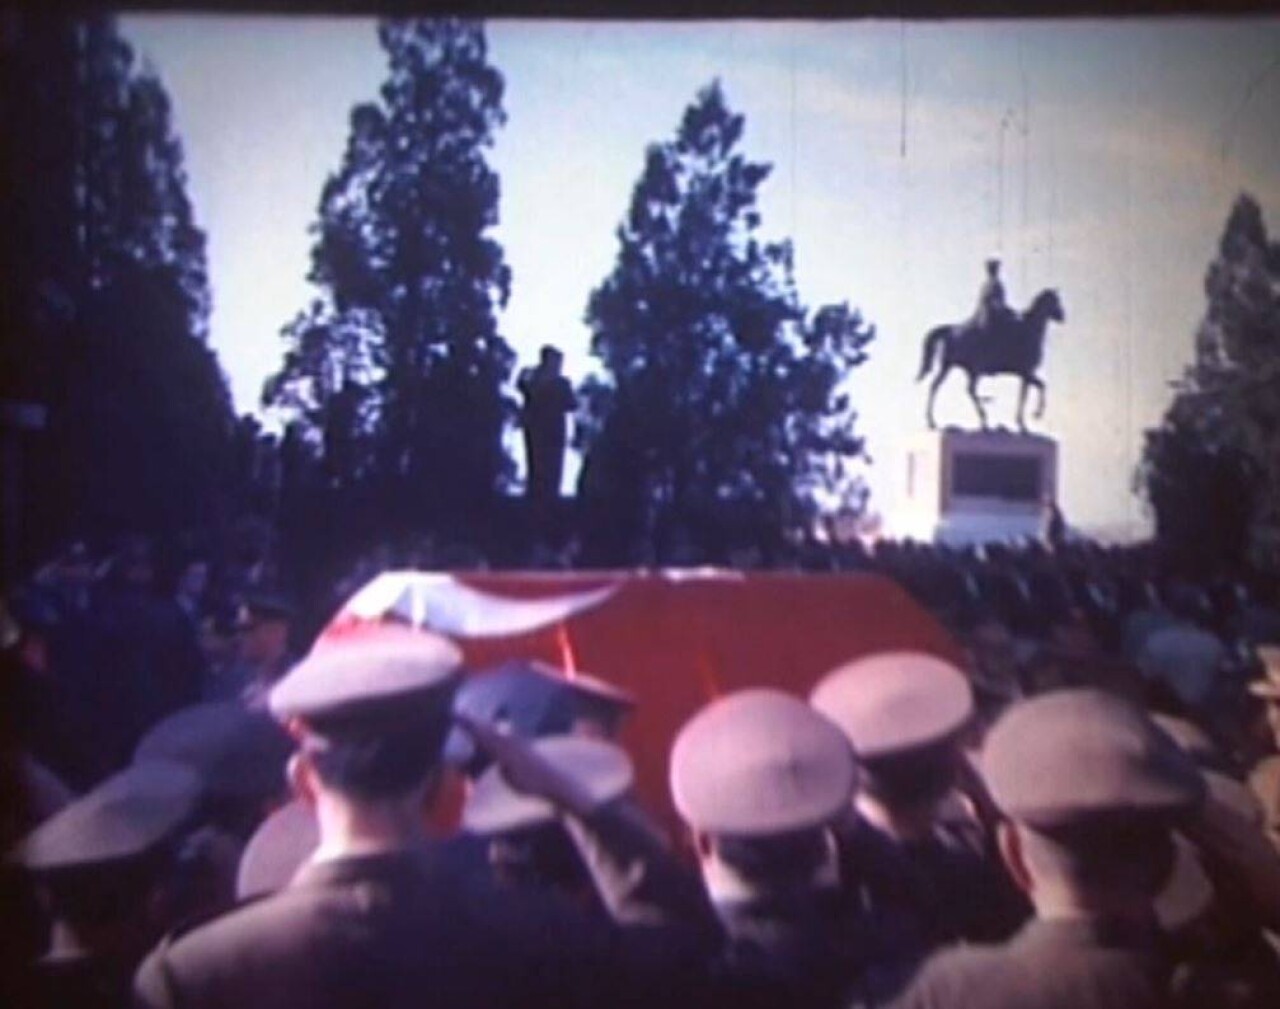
(996, 341)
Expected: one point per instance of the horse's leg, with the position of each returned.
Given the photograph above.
(1040, 395)
(977, 400)
(1022, 403)
(933, 391)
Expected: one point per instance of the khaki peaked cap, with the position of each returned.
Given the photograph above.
(1069, 756)
(758, 763)
(128, 815)
(892, 702)
(370, 676)
(237, 751)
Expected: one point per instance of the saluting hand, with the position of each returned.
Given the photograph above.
(525, 769)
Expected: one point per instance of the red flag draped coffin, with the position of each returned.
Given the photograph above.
(674, 640)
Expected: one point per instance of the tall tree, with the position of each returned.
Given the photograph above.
(721, 406)
(108, 329)
(401, 354)
(1212, 469)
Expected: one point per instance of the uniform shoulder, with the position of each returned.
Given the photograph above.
(950, 977)
(197, 923)
(200, 945)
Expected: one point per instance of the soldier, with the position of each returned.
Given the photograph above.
(532, 700)
(1091, 788)
(1219, 957)
(264, 623)
(526, 845)
(103, 865)
(760, 778)
(379, 915)
(923, 855)
(240, 754)
(522, 837)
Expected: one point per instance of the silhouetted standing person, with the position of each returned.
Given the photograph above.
(548, 400)
(1053, 527)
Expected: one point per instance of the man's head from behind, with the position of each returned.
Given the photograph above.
(103, 862)
(369, 718)
(759, 776)
(377, 763)
(1091, 787)
(903, 713)
(1107, 866)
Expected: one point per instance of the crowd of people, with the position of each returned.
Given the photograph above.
(201, 811)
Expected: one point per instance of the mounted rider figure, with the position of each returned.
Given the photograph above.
(993, 311)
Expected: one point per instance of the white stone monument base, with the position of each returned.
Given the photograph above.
(965, 487)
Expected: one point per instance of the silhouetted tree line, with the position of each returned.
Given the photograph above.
(720, 411)
(719, 417)
(105, 299)
(1211, 470)
(718, 421)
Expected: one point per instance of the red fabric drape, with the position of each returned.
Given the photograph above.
(675, 642)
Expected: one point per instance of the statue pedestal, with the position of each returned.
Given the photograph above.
(964, 487)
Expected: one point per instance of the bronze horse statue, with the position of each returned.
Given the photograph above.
(1011, 345)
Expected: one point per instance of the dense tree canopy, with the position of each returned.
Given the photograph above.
(397, 370)
(107, 313)
(721, 407)
(1212, 469)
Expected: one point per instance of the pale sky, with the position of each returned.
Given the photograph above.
(1100, 158)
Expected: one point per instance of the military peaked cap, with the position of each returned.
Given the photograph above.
(128, 815)
(368, 678)
(601, 769)
(892, 702)
(760, 762)
(235, 750)
(530, 700)
(1070, 756)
